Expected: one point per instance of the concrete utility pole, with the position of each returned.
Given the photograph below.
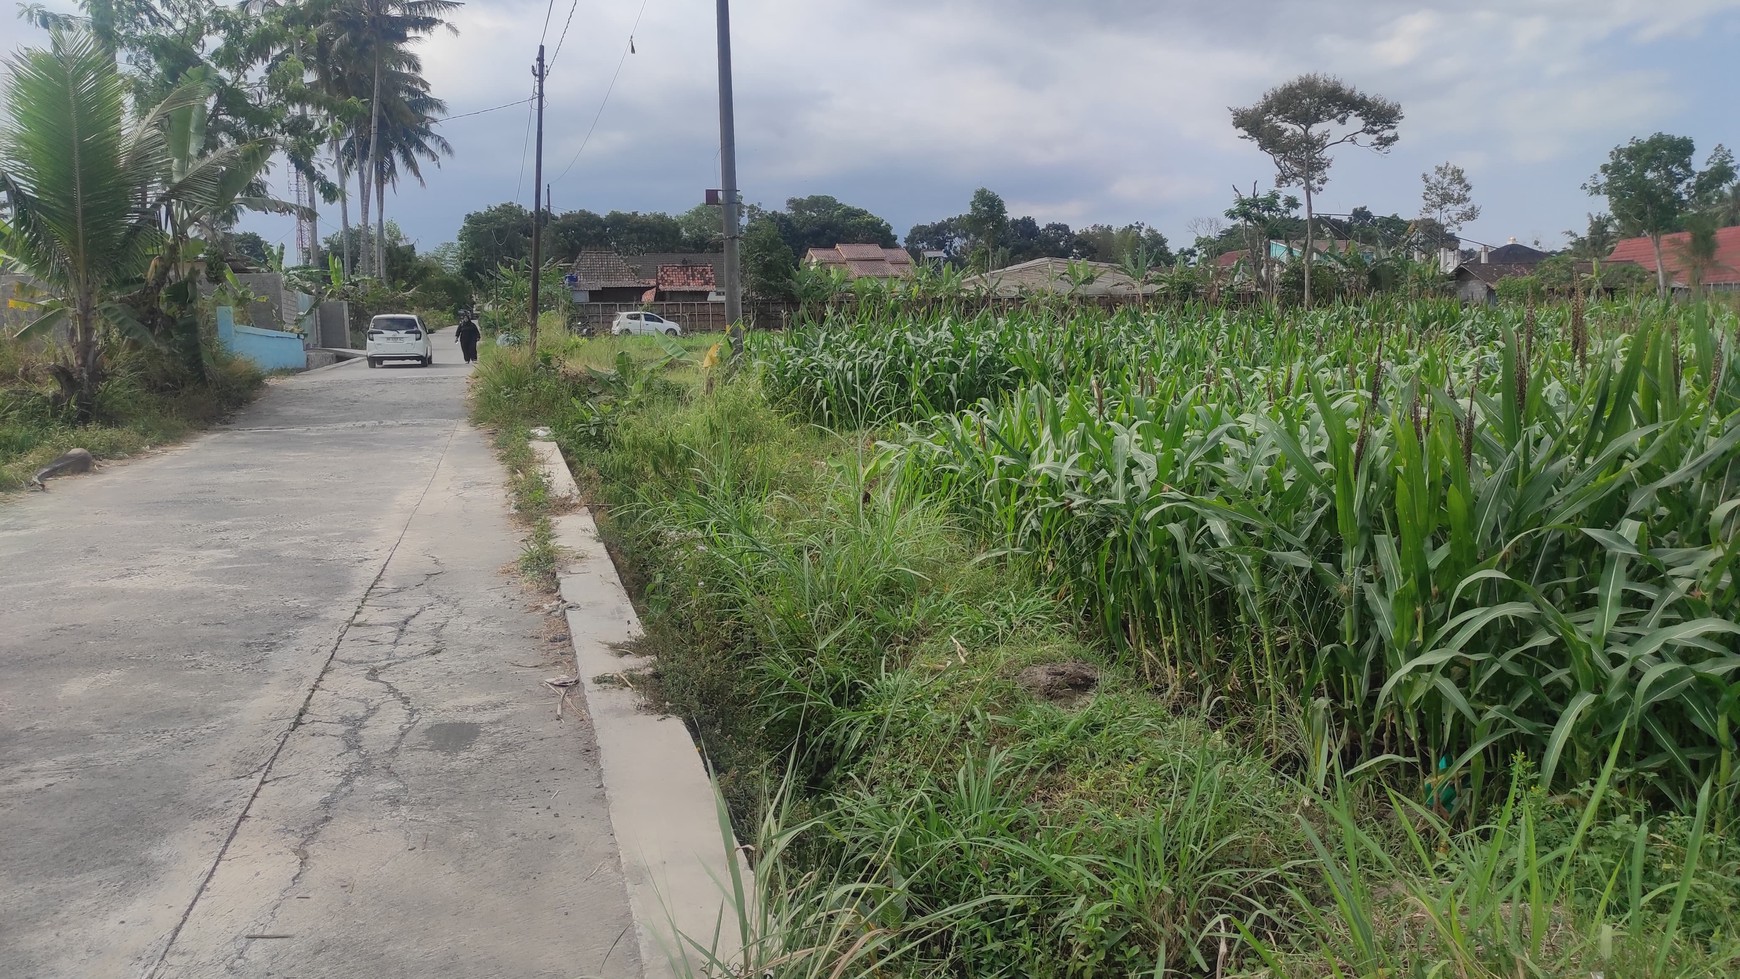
(538, 205)
(728, 176)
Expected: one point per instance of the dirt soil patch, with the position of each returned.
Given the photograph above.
(1060, 683)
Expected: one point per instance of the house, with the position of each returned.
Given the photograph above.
(1053, 275)
(1477, 282)
(863, 261)
(603, 277)
(1723, 275)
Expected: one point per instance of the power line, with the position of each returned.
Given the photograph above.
(570, 23)
(627, 49)
(479, 112)
(521, 184)
(548, 12)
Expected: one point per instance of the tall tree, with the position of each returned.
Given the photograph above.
(1298, 123)
(1651, 186)
(820, 221)
(496, 236)
(948, 236)
(1597, 241)
(407, 140)
(1105, 243)
(703, 229)
(374, 36)
(1726, 207)
(988, 222)
(1448, 197)
(768, 262)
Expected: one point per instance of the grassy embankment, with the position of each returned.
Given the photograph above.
(149, 400)
(1207, 644)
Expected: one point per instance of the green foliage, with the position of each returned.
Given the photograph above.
(1651, 185)
(769, 267)
(96, 205)
(1447, 197)
(1298, 123)
(150, 399)
(845, 613)
(820, 221)
(1420, 515)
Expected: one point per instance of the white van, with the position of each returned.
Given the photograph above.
(399, 336)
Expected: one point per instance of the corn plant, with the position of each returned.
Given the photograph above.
(1466, 532)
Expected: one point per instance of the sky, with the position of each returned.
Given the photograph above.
(1079, 111)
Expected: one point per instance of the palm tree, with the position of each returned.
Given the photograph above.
(406, 139)
(1727, 206)
(372, 37)
(93, 201)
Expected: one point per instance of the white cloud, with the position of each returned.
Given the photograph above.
(1094, 110)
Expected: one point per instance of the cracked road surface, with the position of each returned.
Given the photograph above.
(270, 706)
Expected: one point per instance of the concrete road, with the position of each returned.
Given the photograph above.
(270, 705)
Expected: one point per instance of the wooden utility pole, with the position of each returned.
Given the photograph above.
(538, 206)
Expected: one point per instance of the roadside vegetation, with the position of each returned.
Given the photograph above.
(1377, 640)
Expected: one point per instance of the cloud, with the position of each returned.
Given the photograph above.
(1094, 110)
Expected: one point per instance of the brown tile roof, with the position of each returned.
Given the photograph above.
(1491, 272)
(864, 261)
(685, 278)
(607, 270)
(1052, 275)
(1725, 271)
(647, 266)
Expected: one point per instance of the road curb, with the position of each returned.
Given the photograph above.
(329, 367)
(663, 810)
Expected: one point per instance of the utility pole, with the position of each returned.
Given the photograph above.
(728, 175)
(538, 205)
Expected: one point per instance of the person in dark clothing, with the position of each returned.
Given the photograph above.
(468, 334)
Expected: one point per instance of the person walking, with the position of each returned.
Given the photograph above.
(467, 334)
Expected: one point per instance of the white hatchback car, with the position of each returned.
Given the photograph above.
(399, 336)
(626, 323)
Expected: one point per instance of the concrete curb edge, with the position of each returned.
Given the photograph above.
(663, 809)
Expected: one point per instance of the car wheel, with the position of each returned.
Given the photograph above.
(671, 332)
(428, 360)
(373, 362)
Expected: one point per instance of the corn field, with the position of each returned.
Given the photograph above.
(1449, 536)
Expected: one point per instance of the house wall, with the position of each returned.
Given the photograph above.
(1475, 292)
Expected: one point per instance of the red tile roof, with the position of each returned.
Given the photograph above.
(686, 278)
(1725, 271)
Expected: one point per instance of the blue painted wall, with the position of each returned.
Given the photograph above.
(270, 350)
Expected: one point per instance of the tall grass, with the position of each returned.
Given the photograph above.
(846, 569)
(151, 398)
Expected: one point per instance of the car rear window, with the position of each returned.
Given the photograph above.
(397, 324)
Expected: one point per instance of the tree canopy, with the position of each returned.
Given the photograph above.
(1298, 123)
(1651, 186)
(821, 221)
(1447, 197)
